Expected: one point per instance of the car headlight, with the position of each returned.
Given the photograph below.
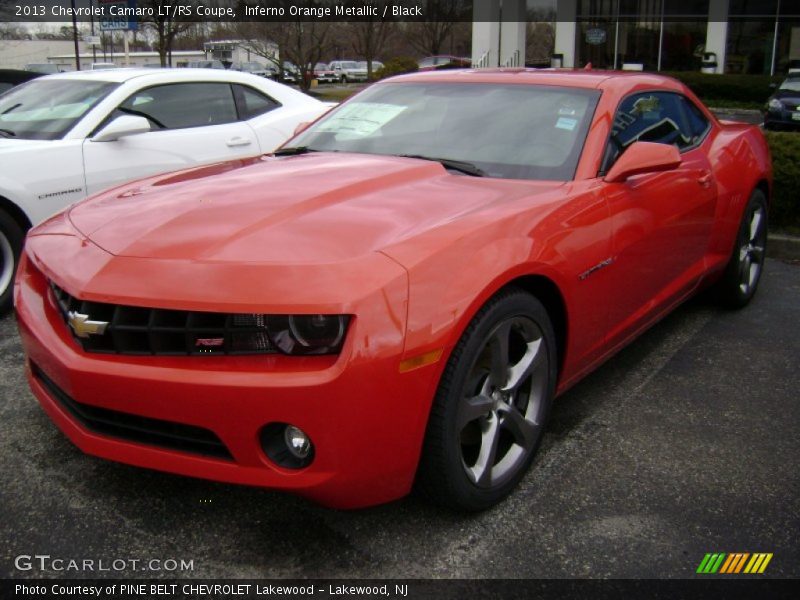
(775, 104)
(307, 334)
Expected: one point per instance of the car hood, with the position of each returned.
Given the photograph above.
(314, 208)
(8, 145)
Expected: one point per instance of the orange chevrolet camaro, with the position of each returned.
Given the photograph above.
(395, 297)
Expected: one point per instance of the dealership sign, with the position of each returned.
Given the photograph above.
(118, 15)
(596, 36)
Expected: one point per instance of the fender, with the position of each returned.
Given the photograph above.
(735, 145)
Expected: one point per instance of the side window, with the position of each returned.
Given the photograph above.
(659, 117)
(698, 123)
(252, 102)
(182, 105)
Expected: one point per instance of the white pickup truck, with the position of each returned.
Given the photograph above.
(65, 136)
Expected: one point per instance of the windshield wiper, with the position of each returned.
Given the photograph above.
(293, 150)
(8, 132)
(448, 163)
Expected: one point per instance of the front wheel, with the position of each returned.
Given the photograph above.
(740, 281)
(489, 413)
(11, 237)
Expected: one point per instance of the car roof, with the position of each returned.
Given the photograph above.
(583, 78)
(122, 75)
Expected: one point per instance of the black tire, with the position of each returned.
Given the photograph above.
(11, 238)
(344, 79)
(739, 282)
(457, 438)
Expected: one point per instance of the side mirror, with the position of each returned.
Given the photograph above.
(301, 127)
(121, 127)
(643, 157)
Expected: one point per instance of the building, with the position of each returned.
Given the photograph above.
(719, 36)
(15, 54)
(180, 58)
(239, 51)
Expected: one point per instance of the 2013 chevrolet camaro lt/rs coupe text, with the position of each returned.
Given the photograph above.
(396, 295)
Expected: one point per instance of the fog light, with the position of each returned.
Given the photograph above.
(297, 442)
(286, 445)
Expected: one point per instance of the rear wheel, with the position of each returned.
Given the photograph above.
(491, 406)
(743, 273)
(11, 236)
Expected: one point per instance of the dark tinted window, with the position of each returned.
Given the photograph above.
(181, 105)
(698, 123)
(659, 117)
(252, 102)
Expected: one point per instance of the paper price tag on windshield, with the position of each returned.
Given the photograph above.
(359, 119)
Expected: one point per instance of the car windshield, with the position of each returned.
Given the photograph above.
(320, 67)
(792, 85)
(46, 109)
(507, 131)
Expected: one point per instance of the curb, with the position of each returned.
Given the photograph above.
(783, 246)
(732, 111)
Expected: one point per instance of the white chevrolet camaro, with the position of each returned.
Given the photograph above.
(66, 136)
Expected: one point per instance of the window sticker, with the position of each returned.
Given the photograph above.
(565, 123)
(359, 119)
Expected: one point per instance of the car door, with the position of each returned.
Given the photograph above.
(272, 123)
(192, 123)
(661, 221)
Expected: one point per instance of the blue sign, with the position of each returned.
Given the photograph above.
(122, 21)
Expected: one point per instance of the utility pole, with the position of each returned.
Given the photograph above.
(91, 17)
(75, 38)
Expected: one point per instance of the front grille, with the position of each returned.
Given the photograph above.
(134, 428)
(156, 331)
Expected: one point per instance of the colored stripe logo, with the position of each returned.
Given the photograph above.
(734, 563)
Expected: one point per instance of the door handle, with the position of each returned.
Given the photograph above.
(705, 179)
(238, 141)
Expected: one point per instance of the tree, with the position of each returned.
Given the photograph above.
(429, 36)
(166, 29)
(259, 37)
(12, 31)
(369, 37)
(302, 43)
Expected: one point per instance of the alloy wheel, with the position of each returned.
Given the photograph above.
(500, 416)
(6, 263)
(751, 253)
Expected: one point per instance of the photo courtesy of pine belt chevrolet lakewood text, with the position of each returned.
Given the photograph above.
(393, 298)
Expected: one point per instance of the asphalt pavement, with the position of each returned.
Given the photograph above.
(685, 443)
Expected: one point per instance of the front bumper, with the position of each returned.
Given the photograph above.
(365, 418)
(785, 119)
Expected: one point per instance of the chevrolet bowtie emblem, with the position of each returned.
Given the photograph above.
(83, 327)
